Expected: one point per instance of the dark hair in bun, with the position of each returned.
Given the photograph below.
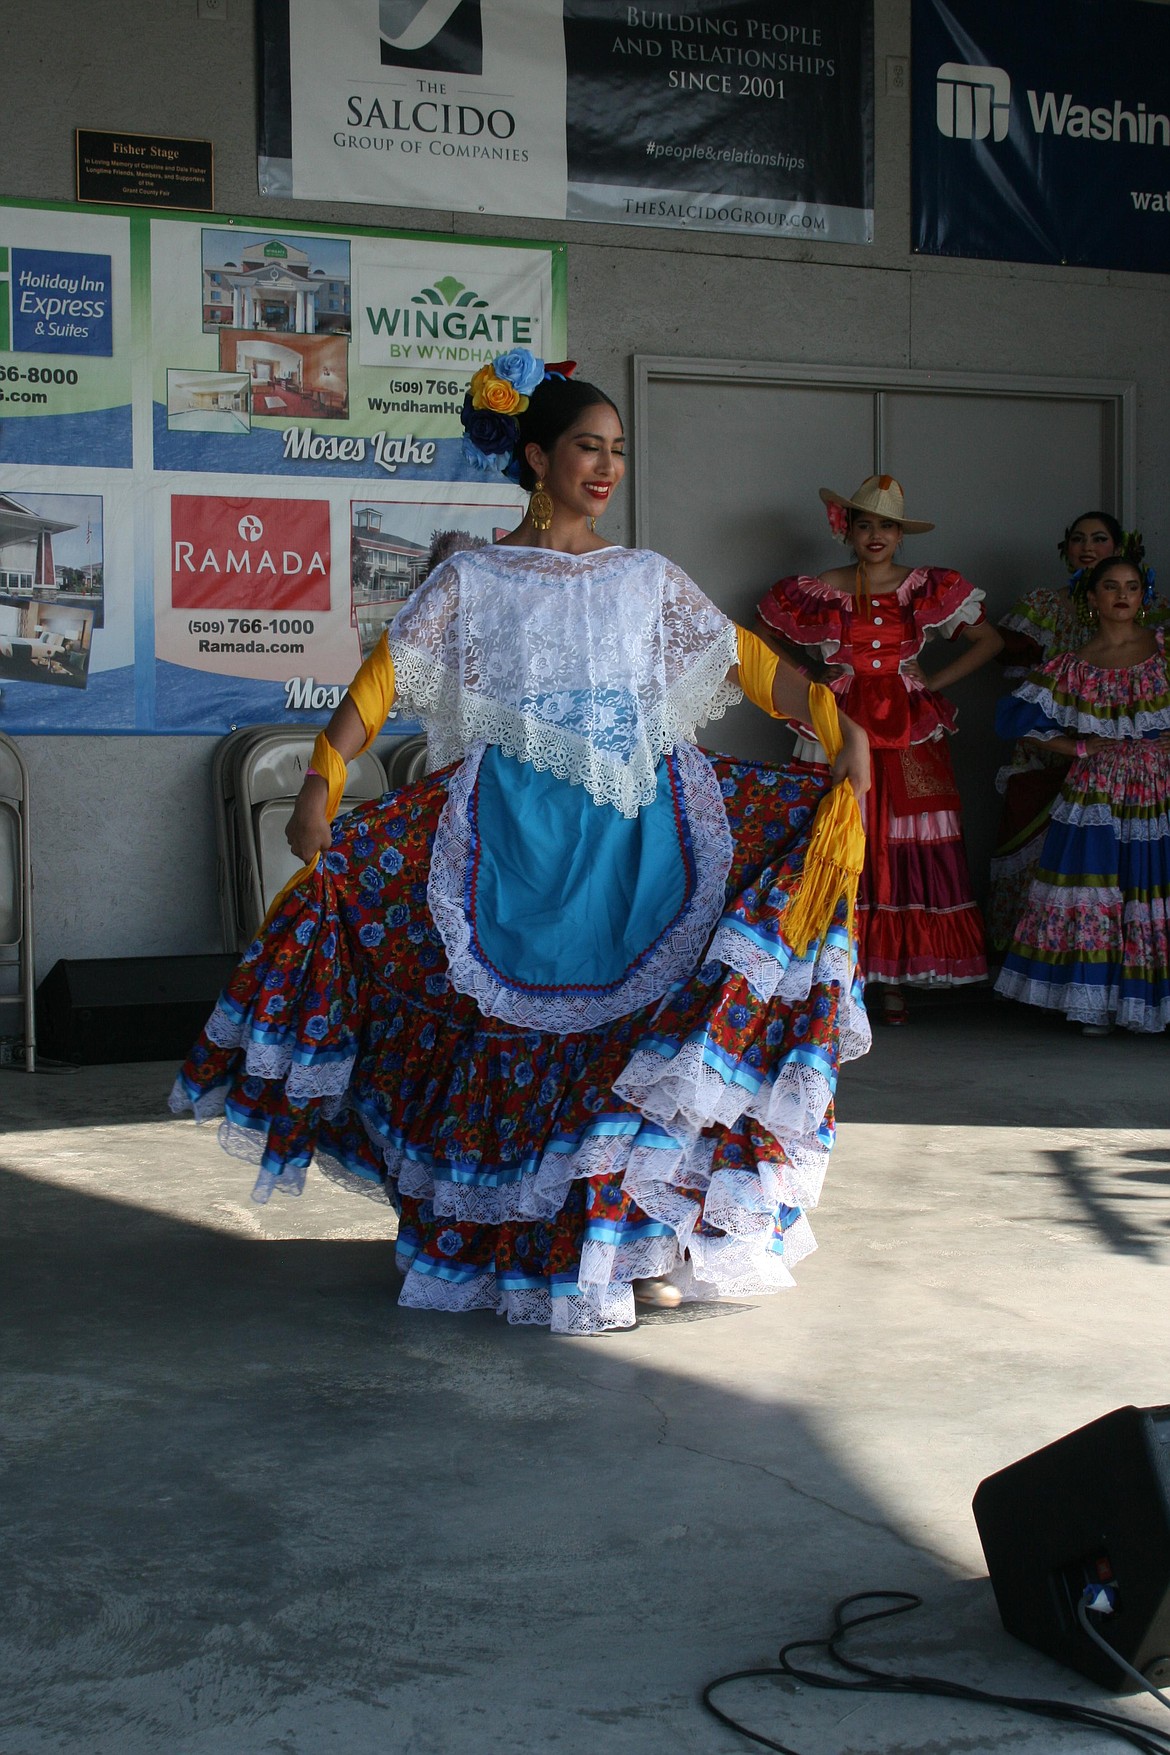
(1093, 579)
(1105, 518)
(552, 409)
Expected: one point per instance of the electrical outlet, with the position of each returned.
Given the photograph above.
(897, 76)
(216, 9)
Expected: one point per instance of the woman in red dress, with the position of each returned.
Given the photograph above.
(868, 622)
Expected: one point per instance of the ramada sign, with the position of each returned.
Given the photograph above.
(249, 553)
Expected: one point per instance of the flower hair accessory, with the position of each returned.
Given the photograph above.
(498, 394)
(1131, 548)
(838, 520)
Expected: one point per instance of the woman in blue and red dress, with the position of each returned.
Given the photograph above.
(576, 1002)
(918, 923)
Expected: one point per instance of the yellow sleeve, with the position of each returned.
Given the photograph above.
(757, 670)
(372, 693)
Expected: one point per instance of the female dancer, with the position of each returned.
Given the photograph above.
(917, 919)
(575, 1003)
(1093, 940)
(1041, 626)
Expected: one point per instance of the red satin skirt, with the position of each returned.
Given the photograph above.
(917, 920)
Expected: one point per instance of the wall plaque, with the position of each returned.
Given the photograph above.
(144, 170)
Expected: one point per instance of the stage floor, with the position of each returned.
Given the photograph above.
(250, 1505)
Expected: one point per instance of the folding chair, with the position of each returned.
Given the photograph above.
(269, 770)
(16, 934)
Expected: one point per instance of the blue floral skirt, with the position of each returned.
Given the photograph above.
(538, 1173)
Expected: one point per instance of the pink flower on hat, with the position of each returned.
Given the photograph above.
(838, 521)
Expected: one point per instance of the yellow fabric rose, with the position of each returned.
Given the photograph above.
(477, 383)
(501, 397)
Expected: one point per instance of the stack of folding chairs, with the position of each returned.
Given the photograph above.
(16, 935)
(256, 775)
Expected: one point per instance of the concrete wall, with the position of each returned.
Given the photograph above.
(124, 842)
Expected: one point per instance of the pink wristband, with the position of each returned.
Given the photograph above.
(1082, 747)
(312, 774)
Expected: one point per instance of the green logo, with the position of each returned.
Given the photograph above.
(449, 291)
(276, 250)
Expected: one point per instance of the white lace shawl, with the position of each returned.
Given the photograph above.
(593, 666)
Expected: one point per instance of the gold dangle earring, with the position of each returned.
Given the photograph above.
(592, 521)
(540, 506)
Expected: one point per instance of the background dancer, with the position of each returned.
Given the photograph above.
(868, 622)
(1092, 939)
(1041, 626)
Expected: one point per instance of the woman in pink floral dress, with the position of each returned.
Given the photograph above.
(1093, 940)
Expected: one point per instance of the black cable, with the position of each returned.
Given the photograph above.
(1150, 1741)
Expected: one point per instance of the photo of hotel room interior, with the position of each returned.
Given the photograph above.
(43, 644)
(208, 402)
(305, 375)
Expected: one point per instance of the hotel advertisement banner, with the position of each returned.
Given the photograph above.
(225, 446)
(1042, 132)
(723, 115)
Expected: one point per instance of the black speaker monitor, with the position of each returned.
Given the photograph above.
(99, 1011)
(1088, 1514)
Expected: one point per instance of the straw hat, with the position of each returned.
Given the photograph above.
(882, 496)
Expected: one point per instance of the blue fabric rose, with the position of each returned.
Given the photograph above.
(477, 459)
(519, 368)
(372, 934)
(493, 434)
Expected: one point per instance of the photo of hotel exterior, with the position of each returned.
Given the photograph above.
(51, 551)
(384, 570)
(385, 567)
(273, 283)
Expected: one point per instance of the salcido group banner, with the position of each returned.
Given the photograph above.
(1042, 131)
(225, 447)
(719, 115)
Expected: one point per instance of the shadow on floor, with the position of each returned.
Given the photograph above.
(967, 1059)
(253, 1506)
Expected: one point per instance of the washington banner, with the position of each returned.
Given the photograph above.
(718, 115)
(1042, 131)
(225, 446)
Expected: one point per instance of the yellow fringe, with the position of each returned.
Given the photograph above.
(836, 849)
(372, 693)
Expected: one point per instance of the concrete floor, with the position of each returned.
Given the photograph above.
(251, 1506)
